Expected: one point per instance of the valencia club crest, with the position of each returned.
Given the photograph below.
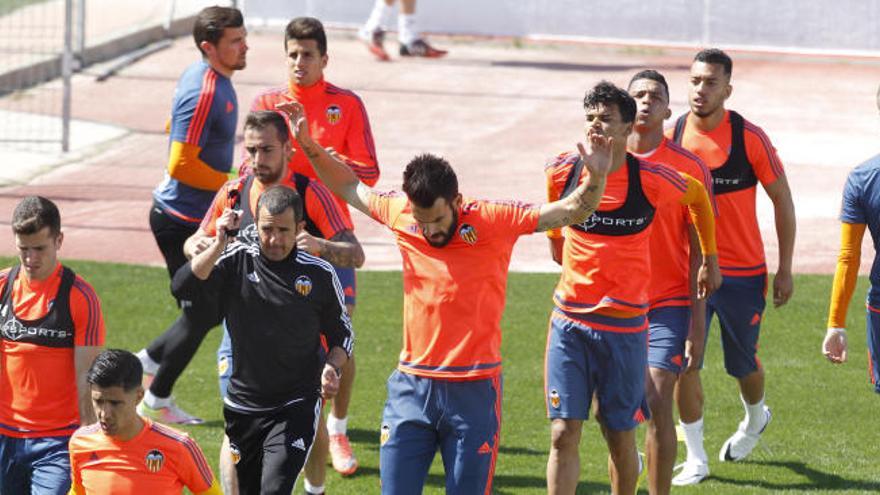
(334, 114)
(468, 233)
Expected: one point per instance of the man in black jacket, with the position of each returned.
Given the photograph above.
(277, 301)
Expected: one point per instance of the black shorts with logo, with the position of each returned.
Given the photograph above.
(270, 448)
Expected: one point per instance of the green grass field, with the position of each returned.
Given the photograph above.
(824, 437)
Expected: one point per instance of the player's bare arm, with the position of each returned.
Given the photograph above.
(783, 207)
(695, 343)
(578, 206)
(335, 174)
(197, 243)
(83, 357)
(342, 250)
(203, 263)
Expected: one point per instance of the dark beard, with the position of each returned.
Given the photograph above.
(449, 233)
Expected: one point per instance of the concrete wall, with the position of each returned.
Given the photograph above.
(808, 25)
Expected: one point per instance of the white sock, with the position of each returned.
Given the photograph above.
(755, 419)
(380, 16)
(336, 426)
(693, 440)
(406, 28)
(310, 488)
(154, 402)
(150, 366)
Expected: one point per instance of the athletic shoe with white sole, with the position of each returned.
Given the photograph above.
(692, 472)
(344, 461)
(741, 443)
(420, 48)
(170, 414)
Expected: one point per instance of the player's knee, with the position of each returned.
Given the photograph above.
(565, 435)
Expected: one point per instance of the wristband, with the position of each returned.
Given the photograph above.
(837, 330)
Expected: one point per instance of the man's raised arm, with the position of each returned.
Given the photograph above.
(580, 204)
(335, 174)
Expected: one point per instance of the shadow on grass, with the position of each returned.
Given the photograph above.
(819, 480)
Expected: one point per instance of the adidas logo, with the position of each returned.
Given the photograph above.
(299, 444)
(484, 449)
(253, 277)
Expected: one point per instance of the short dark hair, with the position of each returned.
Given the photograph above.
(262, 119)
(606, 93)
(651, 75)
(715, 56)
(306, 28)
(428, 177)
(116, 368)
(277, 199)
(33, 214)
(211, 21)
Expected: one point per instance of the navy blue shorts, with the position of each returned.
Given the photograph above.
(873, 320)
(667, 332)
(348, 280)
(581, 361)
(39, 466)
(461, 418)
(739, 304)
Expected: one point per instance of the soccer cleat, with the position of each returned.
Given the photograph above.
(170, 414)
(344, 461)
(375, 43)
(741, 443)
(420, 48)
(692, 472)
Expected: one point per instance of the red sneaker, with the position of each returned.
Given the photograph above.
(421, 48)
(374, 42)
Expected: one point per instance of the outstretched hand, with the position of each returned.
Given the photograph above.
(297, 116)
(597, 155)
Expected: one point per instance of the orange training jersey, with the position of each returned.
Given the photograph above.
(319, 206)
(159, 460)
(454, 295)
(740, 248)
(337, 119)
(38, 392)
(610, 273)
(669, 242)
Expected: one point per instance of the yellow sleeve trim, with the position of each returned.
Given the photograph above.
(185, 166)
(214, 489)
(847, 272)
(702, 214)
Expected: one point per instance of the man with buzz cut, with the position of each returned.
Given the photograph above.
(125, 453)
(598, 338)
(446, 391)
(739, 156)
(860, 211)
(338, 119)
(52, 329)
(676, 316)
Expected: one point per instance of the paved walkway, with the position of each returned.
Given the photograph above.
(495, 110)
